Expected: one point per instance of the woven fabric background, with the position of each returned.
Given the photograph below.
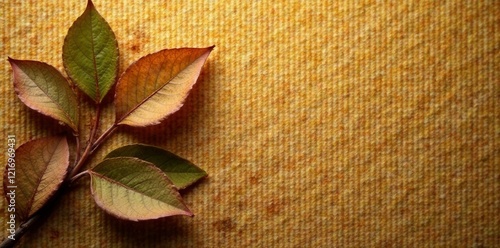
(320, 123)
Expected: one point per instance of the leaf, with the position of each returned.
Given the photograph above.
(40, 168)
(90, 54)
(156, 85)
(180, 171)
(43, 88)
(133, 189)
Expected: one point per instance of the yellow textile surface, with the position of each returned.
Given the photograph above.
(320, 123)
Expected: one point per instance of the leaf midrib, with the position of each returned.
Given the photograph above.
(123, 185)
(96, 76)
(32, 198)
(46, 94)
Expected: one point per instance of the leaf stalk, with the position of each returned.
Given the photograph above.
(71, 178)
(88, 150)
(103, 137)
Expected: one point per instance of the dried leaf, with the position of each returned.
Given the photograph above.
(42, 88)
(40, 168)
(180, 171)
(156, 85)
(133, 189)
(90, 54)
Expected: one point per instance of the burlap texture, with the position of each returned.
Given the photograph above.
(320, 123)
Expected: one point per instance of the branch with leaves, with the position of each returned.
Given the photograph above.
(134, 182)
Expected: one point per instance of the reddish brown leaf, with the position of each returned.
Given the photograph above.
(40, 168)
(156, 85)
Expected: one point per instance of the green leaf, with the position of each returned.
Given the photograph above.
(42, 88)
(180, 171)
(90, 54)
(34, 173)
(156, 85)
(133, 189)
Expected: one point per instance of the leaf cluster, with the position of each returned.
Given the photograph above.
(134, 182)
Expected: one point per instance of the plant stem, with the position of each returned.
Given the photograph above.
(77, 141)
(7, 242)
(104, 136)
(70, 178)
(44, 212)
(87, 151)
(77, 135)
(77, 176)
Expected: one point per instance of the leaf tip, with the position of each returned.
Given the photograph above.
(12, 61)
(186, 211)
(90, 4)
(209, 49)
